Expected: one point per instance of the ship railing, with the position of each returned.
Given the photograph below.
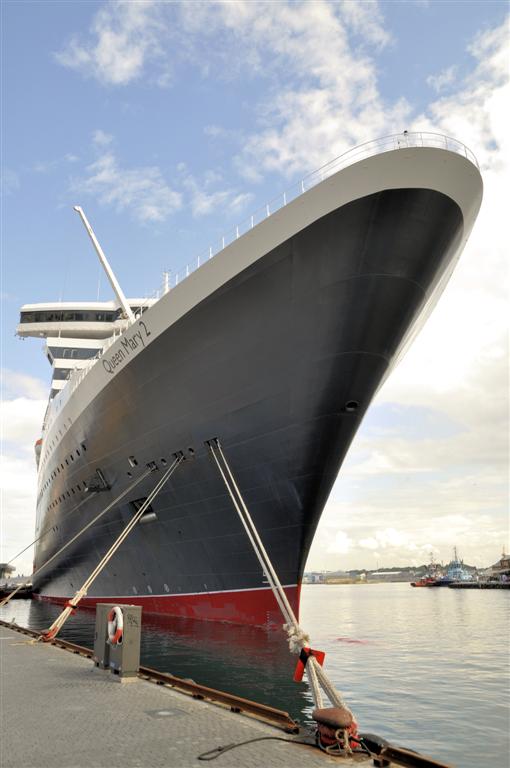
(397, 141)
(390, 143)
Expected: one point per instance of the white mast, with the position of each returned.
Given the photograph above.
(109, 272)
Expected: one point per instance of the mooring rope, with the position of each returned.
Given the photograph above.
(76, 536)
(297, 638)
(71, 604)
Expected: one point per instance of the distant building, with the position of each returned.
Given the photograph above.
(313, 577)
(500, 571)
(388, 576)
(6, 570)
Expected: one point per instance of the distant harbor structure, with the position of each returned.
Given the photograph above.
(5, 571)
(500, 571)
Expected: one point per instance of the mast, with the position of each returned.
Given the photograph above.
(128, 313)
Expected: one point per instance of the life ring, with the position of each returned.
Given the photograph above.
(115, 626)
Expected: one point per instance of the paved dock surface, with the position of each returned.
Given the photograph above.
(58, 710)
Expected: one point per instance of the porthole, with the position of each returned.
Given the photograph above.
(163, 461)
(84, 446)
(77, 452)
(132, 461)
(72, 457)
(129, 474)
(351, 406)
(149, 589)
(135, 591)
(166, 587)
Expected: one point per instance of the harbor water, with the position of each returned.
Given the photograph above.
(428, 669)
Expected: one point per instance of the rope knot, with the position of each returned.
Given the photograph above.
(296, 638)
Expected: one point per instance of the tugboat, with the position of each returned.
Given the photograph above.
(428, 579)
(455, 573)
(425, 581)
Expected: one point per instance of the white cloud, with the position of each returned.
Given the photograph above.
(142, 191)
(204, 199)
(21, 420)
(46, 166)
(124, 36)
(366, 20)
(101, 138)
(15, 384)
(340, 544)
(18, 490)
(21, 414)
(325, 98)
(441, 81)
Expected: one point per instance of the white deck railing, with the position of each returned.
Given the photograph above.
(354, 155)
(396, 141)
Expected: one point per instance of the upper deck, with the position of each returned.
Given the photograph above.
(76, 319)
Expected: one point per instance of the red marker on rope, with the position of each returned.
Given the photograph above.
(303, 658)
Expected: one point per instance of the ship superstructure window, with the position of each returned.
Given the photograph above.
(61, 373)
(72, 353)
(54, 316)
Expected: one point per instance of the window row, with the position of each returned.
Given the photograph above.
(71, 315)
(60, 468)
(72, 353)
(63, 496)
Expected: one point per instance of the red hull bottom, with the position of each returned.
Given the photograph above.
(256, 607)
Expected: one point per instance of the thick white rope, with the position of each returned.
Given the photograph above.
(311, 673)
(288, 617)
(71, 604)
(270, 572)
(76, 536)
(297, 638)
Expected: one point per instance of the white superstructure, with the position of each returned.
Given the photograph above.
(75, 332)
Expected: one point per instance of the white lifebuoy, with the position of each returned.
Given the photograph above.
(115, 626)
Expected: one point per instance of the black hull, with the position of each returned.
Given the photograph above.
(281, 364)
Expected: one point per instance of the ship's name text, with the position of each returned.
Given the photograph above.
(128, 345)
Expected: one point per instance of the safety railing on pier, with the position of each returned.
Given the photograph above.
(390, 143)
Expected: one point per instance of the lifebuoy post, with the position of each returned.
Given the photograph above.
(117, 638)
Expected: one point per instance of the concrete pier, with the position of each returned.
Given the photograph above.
(58, 710)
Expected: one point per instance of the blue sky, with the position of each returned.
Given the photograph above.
(171, 122)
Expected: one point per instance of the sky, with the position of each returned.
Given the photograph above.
(170, 123)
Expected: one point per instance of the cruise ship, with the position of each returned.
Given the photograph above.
(275, 346)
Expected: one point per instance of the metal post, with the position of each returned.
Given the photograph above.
(109, 272)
